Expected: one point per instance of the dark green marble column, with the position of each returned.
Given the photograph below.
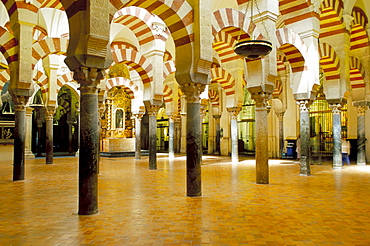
(193, 139)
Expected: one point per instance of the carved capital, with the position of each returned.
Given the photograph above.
(193, 91)
(361, 110)
(335, 108)
(88, 78)
(20, 102)
(49, 114)
(139, 116)
(304, 105)
(233, 112)
(152, 109)
(261, 99)
(280, 115)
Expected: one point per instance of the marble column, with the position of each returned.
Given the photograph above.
(280, 116)
(337, 136)
(193, 139)
(70, 137)
(28, 140)
(262, 158)
(218, 134)
(88, 78)
(234, 132)
(19, 137)
(304, 122)
(177, 139)
(138, 118)
(171, 133)
(361, 137)
(152, 111)
(49, 148)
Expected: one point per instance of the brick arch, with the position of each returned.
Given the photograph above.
(357, 73)
(329, 62)
(214, 98)
(331, 18)
(167, 94)
(127, 84)
(122, 45)
(294, 11)
(67, 80)
(8, 45)
(4, 77)
(359, 38)
(169, 68)
(42, 81)
(141, 22)
(224, 78)
(293, 48)
(136, 61)
(48, 46)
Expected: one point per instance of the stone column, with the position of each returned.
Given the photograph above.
(171, 132)
(177, 140)
(19, 137)
(28, 141)
(304, 122)
(280, 116)
(262, 159)
(193, 139)
(88, 78)
(70, 137)
(152, 111)
(361, 137)
(234, 132)
(218, 134)
(49, 148)
(138, 118)
(337, 136)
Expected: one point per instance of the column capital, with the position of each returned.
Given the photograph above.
(88, 78)
(152, 109)
(234, 111)
(261, 98)
(49, 113)
(304, 105)
(361, 110)
(280, 115)
(20, 101)
(193, 91)
(335, 108)
(217, 116)
(139, 116)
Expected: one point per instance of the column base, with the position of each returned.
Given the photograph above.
(361, 164)
(337, 168)
(304, 174)
(29, 155)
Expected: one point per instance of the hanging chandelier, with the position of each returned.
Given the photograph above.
(252, 49)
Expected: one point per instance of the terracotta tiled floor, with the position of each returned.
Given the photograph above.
(142, 207)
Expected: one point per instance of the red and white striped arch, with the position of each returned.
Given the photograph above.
(65, 79)
(169, 68)
(48, 46)
(359, 38)
(214, 98)
(39, 33)
(119, 45)
(125, 83)
(4, 77)
(228, 27)
(8, 45)
(178, 16)
(55, 4)
(167, 94)
(225, 79)
(296, 10)
(329, 62)
(293, 48)
(331, 18)
(136, 61)
(357, 74)
(141, 22)
(42, 80)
